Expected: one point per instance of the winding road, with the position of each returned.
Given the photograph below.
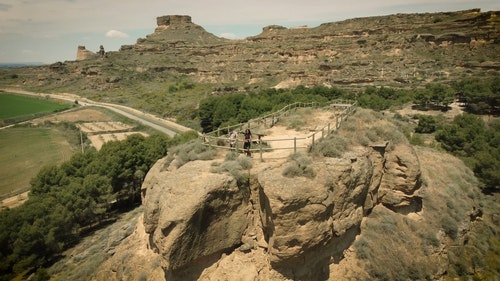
(165, 126)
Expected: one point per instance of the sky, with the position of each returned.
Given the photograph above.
(49, 31)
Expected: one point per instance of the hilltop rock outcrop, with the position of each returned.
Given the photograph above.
(203, 225)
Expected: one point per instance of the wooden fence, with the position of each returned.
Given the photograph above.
(219, 138)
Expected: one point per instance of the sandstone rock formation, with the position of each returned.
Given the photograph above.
(82, 53)
(397, 50)
(201, 225)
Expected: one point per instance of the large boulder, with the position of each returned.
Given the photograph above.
(192, 214)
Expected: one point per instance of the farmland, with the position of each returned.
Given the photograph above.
(52, 139)
(24, 150)
(16, 108)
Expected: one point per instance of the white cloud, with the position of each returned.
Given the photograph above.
(116, 34)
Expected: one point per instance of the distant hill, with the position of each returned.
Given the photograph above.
(19, 64)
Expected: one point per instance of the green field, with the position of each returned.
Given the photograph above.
(16, 106)
(23, 151)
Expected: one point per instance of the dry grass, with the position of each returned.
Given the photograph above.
(399, 247)
(235, 164)
(191, 151)
(363, 128)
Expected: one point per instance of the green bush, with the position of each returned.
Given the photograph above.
(477, 143)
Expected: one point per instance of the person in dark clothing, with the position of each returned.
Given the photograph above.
(248, 142)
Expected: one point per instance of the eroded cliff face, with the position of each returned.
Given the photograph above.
(397, 50)
(201, 225)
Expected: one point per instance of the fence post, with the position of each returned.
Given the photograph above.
(328, 128)
(322, 133)
(312, 144)
(294, 144)
(260, 149)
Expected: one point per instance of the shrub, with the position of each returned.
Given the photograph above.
(231, 156)
(426, 124)
(299, 166)
(332, 146)
(235, 165)
(191, 151)
(450, 226)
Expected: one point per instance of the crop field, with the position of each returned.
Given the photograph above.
(24, 150)
(16, 106)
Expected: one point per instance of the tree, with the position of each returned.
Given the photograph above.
(224, 111)
(469, 137)
(426, 124)
(435, 95)
(465, 136)
(479, 96)
(205, 113)
(440, 95)
(422, 98)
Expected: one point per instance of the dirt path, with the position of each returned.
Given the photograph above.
(14, 201)
(285, 141)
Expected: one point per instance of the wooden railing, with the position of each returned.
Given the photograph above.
(266, 121)
(219, 137)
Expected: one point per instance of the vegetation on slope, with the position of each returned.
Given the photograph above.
(69, 199)
(449, 194)
(478, 144)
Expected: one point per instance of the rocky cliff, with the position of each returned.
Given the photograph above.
(387, 209)
(397, 50)
(400, 48)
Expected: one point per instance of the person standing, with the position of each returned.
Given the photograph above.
(232, 139)
(248, 142)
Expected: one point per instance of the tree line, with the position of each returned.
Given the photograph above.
(69, 199)
(477, 96)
